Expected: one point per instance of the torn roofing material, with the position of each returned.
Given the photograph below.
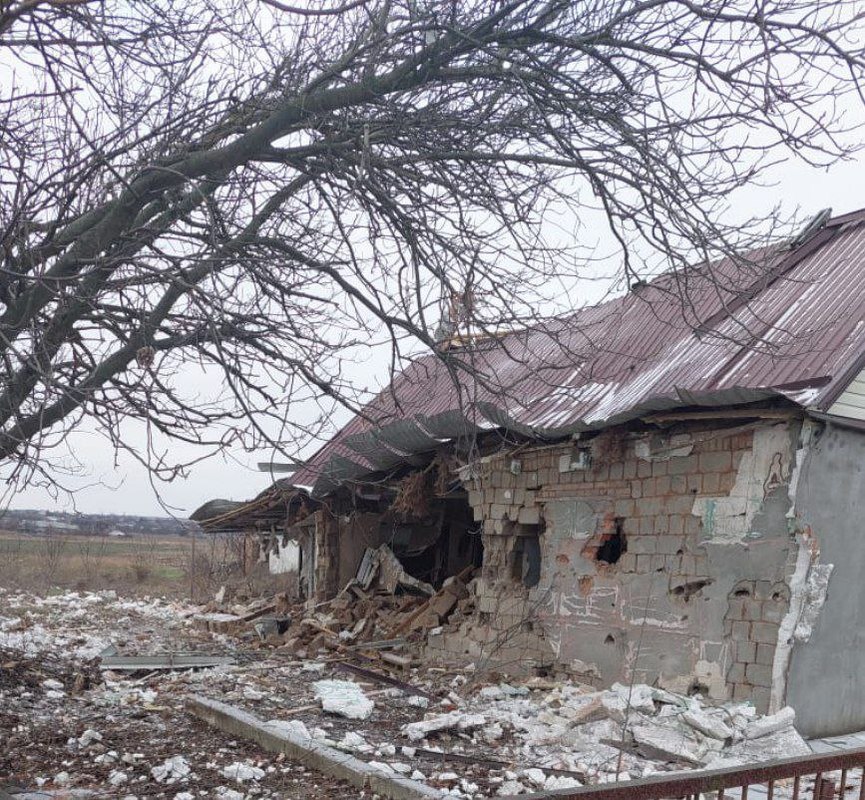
(269, 507)
(792, 327)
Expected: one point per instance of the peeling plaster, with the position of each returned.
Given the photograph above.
(784, 646)
(809, 583)
(728, 519)
(816, 589)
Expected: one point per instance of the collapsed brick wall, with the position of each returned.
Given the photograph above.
(641, 555)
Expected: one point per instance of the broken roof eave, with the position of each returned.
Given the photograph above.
(339, 470)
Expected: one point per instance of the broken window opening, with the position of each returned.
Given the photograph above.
(614, 545)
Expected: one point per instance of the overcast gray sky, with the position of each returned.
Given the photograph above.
(124, 486)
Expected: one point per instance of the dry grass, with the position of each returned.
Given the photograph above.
(134, 565)
(165, 566)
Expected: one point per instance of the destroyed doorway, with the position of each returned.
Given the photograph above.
(440, 546)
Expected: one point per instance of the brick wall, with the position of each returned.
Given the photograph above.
(702, 516)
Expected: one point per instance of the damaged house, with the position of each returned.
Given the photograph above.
(662, 491)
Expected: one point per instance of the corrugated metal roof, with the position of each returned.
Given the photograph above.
(724, 335)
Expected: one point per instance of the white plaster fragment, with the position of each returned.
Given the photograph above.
(816, 587)
(455, 719)
(728, 519)
(344, 698)
(771, 724)
(707, 724)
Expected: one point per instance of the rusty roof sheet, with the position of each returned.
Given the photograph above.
(729, 334)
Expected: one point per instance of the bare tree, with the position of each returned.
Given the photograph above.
(215, 187)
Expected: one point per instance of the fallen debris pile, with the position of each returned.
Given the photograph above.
(381, 611)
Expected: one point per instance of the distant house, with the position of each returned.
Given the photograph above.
(668, 486)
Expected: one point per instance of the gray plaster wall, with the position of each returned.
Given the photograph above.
(826, 679)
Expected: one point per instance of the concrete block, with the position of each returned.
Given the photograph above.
(711, 483)
(760, 696)
(659, 468)
(742, 691)
(617, 471)
(498, 511)
(636, 489)
(679, 484)
(759, 674)
(736, 673)
(764, 632)
(650, 507)
(676, 524)
(624, 508)
(765, 654)
(529, 515)
(640, 545)
(663, 485)
(741, 631)
(668, 545)
(628, 562)
(744, 651)
(682, 465)
(716, 462)
(736, 610)
(679, 504)
(773, 612)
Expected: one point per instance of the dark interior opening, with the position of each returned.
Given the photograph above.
(458, 545)
(526, 556)
(612, 548)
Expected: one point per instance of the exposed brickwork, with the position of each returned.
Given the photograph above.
(680, 503)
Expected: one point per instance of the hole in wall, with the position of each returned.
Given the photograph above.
(685, 591)
(697, 687)
(526, 556)
(610, 639)
(680, 552)
(614, 545)
(743, 592)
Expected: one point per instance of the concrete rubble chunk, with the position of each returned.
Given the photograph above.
(708, 724)
(666, 744)
(89, 737)
(344, 698)
(242, 772)
(638, 697)
(174, 768)
(455, 720)
(771, 724)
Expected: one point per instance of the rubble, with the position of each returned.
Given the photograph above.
(241, 772)
(466, 732)
(344, 698)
